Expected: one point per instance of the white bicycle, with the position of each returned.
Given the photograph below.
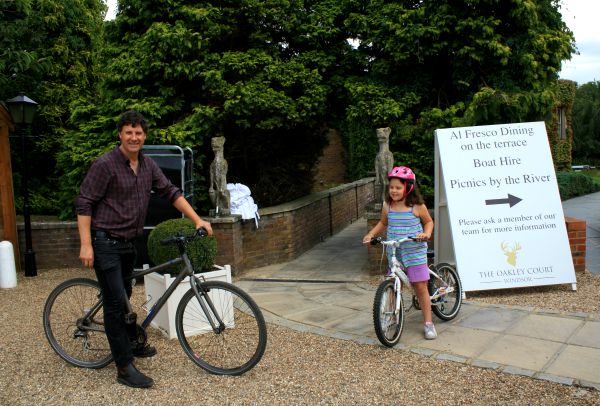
(444, 287)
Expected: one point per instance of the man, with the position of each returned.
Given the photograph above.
(111, 210)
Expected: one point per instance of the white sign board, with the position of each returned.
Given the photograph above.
(504, 207)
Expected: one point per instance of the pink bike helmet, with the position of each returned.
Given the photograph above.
(406, 174)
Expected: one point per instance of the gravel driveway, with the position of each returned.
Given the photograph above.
(298, 368)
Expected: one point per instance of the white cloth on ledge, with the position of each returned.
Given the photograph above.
(242, 202)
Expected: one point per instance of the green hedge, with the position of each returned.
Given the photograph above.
(573, 184)
(202, 251)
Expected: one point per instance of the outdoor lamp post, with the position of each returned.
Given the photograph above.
(22, 110)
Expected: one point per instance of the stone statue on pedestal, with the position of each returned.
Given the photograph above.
(218, 193)
(384, 162)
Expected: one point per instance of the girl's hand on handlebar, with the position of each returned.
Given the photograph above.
(367, 239)
(422, 237)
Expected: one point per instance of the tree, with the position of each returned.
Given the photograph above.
(442, 63)
(586, 124)
(47, 52)
(265, 74)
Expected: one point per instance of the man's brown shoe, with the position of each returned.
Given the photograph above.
(130, 376)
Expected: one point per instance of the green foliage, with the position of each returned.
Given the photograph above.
(438, 64)
(573, 184)
(264, 74)
(47, 51)
(271, 76)
(202, 251)
(586, 124)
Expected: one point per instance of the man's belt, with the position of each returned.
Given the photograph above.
(106, 234)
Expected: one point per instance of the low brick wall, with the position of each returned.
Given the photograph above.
(284, 233)
(56, 244)
(576, 230)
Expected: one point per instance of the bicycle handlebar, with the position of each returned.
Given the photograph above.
(200, 232)
(379, 240)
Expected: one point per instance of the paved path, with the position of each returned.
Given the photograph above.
(324, 291)
(588, 208)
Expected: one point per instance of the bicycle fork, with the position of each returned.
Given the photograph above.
(204, 299)
(398, 289)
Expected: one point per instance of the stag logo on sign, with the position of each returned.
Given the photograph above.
(511, 252)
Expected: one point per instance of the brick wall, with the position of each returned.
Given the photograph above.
(330, 168)
(284, 233)
(576, 230)
(577, 235)
(56, 244)
(376, 267)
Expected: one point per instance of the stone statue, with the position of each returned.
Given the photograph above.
(218, 193)
(384, 162)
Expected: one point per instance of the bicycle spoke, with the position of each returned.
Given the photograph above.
(387, 319)
(446, 292)
(66, 306)
(238, 340)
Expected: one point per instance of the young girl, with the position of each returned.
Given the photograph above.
(404, 214)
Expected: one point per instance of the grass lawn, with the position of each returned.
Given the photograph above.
(594, 173)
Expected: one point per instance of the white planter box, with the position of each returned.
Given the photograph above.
(156, 284)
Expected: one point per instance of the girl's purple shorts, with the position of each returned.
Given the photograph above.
(417, 273)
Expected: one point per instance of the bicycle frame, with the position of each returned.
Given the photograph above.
(388, 296)
(216, 323)
(398, 272)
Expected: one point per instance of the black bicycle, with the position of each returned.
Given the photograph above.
(219, 326)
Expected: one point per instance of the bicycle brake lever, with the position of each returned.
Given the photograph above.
(375, 241)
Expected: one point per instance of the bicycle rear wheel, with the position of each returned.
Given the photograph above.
(388, 323)
(239, 342)
(447, 306)
(79, 341)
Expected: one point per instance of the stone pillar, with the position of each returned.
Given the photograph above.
(376, 266)
(230, 243)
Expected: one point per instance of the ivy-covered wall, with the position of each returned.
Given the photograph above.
(561, 147)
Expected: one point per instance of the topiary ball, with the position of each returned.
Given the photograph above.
(202, 251)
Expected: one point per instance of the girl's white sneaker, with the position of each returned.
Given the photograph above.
(429, 330)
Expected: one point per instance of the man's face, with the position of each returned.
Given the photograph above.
(132, 138)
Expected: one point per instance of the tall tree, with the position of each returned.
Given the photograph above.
(441, 63)
(586, 124)
(46, 51)
(263, 73)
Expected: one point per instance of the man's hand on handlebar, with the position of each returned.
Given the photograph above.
(205, 225)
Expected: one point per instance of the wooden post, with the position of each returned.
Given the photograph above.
(8, 216)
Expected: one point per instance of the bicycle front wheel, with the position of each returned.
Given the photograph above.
(446, 307)
(238, 341)
(74, 332)
(387, 320)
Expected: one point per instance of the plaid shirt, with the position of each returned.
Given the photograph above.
(116, 198)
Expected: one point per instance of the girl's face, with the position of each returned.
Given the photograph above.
(396, 189)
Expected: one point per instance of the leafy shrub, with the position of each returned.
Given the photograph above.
(202, 251)
(573, 184)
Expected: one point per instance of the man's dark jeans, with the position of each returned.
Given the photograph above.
(113, 262)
